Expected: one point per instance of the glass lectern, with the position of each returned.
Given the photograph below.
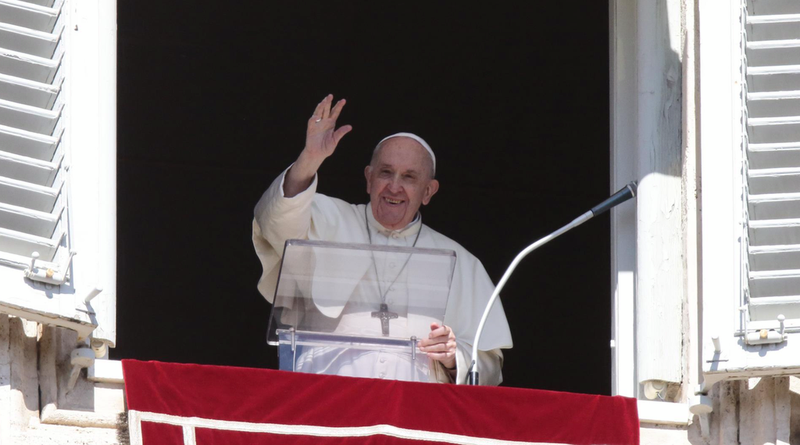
(357, 309)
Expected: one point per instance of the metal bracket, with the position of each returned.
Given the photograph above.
(765, 336)
(413, 348)
(48, 275)
(294, 349)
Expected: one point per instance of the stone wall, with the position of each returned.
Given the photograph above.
(36, 405)
(745, 412)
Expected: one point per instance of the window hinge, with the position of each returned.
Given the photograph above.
(46, 274)
(764, 336)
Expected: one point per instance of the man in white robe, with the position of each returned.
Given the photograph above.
(400, 178)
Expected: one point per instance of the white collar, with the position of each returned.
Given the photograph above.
(410, 230)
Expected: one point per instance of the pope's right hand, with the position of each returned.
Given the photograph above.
(322, 136)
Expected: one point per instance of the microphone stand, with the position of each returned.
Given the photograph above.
(624, 194)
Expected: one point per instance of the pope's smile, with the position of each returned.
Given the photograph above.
(393, 201)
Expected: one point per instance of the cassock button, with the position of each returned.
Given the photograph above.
(383, 359)
(382, 375)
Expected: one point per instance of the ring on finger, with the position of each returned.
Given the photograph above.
(318, 120)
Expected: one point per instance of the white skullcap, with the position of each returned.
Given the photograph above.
(416, 138)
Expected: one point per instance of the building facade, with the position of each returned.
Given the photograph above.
(705, 107)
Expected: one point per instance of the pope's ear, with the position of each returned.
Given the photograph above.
(367, 171)
(430, 190)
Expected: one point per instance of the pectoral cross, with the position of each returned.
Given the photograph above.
(385, 316)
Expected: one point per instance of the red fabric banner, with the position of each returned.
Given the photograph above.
(196, 404)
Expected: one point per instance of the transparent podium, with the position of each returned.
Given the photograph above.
(358, 310)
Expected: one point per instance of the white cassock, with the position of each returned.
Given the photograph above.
(314, 216)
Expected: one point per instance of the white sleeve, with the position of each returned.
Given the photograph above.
(490, 364)
(277, 219)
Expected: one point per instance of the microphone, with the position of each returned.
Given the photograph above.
(622, 195)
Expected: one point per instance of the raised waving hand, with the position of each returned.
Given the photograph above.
(322, 137)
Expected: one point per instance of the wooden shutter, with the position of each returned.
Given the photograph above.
(771, 117)
(32, 175)
(58, 163)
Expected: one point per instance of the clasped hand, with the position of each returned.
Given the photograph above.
(440, 345)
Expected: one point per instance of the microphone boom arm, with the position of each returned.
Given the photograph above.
(624, 194)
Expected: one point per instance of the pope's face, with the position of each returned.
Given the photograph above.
(399, 181)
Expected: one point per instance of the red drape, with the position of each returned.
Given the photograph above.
(186, 403)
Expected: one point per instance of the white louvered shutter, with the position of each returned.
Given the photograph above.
(57, 162)
(750, 197)
(32, 194)
(771, 74)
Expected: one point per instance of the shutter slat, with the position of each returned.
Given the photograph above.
(776, 120)
(773, 28)
(781, 198)
(774, 180)
(23, 244)
(26, 117)
(773, 57)
(31, 196)
(27, 66)
(775, 223)
(768, 308)
(774, 147)
(774, 107)
(28, 15)
(771, 7)
(28, 92)
(776, 274)
(765, 258)
(28, 221)
(782, 283)
(27, 143)
(770, 79)
(772, 44)
(774, 206)
(766, 156)
(770, 19)
(774, 232)
(28, 41)
(769, 172)
(772, 95)
(47, 3)
(776, 69)
(774, 130)
(23, 168)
